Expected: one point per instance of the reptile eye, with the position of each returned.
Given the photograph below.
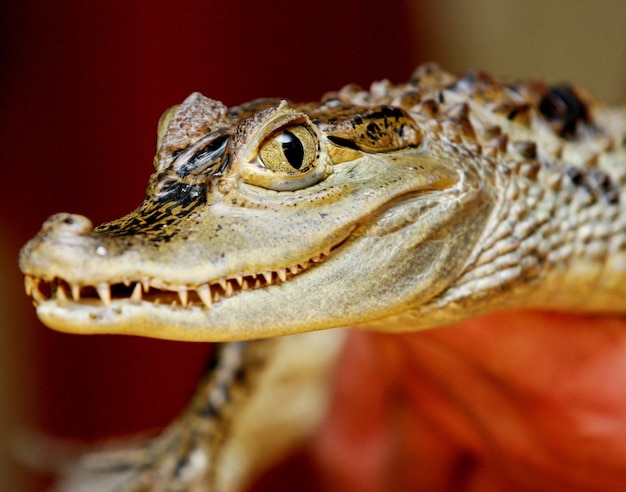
(292, 150)
(285, 152)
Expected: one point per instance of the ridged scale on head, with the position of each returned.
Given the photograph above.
(185, 124)
(525, 124)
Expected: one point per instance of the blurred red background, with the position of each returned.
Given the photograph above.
(82, 85)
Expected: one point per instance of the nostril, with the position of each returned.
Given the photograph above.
(68, 224)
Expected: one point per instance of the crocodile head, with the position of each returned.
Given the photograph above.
(270, 218)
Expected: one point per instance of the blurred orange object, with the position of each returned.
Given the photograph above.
(514, 401)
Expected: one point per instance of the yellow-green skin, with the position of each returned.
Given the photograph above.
(414, 206)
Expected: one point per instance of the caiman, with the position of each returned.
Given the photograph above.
(397, 209)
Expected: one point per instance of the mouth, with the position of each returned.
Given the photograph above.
(157, 291)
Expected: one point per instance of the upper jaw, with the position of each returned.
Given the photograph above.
(72, 266)
(139, 288)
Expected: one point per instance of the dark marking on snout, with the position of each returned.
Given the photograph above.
(156, 218)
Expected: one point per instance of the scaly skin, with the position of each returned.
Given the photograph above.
(398, 209)
(483, 203)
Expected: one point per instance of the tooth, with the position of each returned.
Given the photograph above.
(37, 294)
(126, 282)
(268, 277)
(204, 293)
(29, 284)
(282, 274)
(61, 296)
(182, 294)
(316, 259)
(229, 289)
(145, 283)
(239, 279)
(136, 295)
(104, 291)
(257, 283)
(222, 283)
(304, 266)
(245, 285)
(326, 252)
(75, 288)
(293, 269)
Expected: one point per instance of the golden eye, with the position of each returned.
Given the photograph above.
(285, 153)
(293, 150)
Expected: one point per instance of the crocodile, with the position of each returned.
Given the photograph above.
(270, 225)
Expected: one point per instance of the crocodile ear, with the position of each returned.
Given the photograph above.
(183, 125)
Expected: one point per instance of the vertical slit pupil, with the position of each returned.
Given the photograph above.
(292, 148)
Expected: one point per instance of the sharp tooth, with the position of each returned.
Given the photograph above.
(245, 285)
(204, 293)
(29, 284)
(75, 288)
(136, 295)
(104, 291)
(268, 277)
(326, 252)
(37, 294)
(126, 282)
(239, 279)
(222, 283)
(282, 274)
(145, 283)
(182, 294)
(315, 259)
(253, 276)
(304, 266)
(62, 296)
(229, 289)
(257, 283)
(293, 269)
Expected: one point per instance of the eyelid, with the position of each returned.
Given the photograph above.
(315, 168)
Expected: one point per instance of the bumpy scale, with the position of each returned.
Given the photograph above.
(400, 208)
